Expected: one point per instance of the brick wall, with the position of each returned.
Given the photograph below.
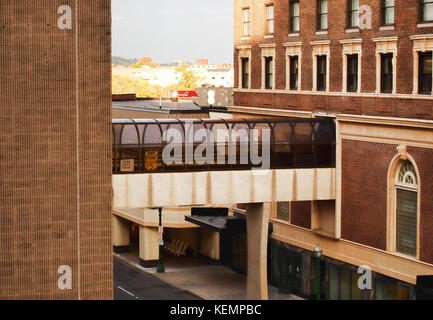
(43, 222)
(364, 193)
(406, 17)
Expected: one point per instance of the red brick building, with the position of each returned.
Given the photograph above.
(368, 65)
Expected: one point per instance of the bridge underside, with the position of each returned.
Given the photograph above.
(255, 188)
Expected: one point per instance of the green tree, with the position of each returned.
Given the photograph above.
(188, 81)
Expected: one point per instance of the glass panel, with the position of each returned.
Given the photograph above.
(345, 281)
(387, 73)
(389, 16)
(283, 211)
(321, 73)
(295, 9)
(152, 135)
(425, 73)
(129, 135)
(354, 20)
(356, 292)
(387, 290)
(246, 15)
(271, 26)
(270, 12)
(324, 22)
(333, 282)
(407, 222)
(355, 4)
(352, 73)
(295, 24)
(294, 72)
(428, 12)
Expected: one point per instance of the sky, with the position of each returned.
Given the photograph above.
(169, 30)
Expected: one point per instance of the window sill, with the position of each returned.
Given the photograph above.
(294, 34)
(245, 38)
(325, 234)
(269, 36)
(318, 33)
(386, 28)
(425, 25)
(352, 30)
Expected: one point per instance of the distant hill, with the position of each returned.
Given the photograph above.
(122, 61)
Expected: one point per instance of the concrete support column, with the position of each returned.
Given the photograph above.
(148, 247)
(257, 237)
(120, 234)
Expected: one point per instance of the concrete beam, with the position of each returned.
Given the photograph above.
(222, 187)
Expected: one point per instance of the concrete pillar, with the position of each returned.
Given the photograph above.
(257, 237)
(120, 234)
(148, 247)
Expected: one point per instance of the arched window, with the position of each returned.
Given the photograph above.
(406, 209)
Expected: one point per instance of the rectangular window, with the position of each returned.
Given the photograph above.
(406, 235)
(270, 19)
(425, 73)
(294, 16)
(352, 73)
(353, 13)
(269, 71)
(245, 72)
(323, 14)
(321, 73)
(427, 10)
(388, 12)
(386, 74)
(294, 72)
(246, 22)
(283, 211)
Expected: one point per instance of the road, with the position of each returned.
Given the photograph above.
(131, 283)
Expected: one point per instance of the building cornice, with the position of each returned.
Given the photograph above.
(421, 37)
(267, 45)
(292, 44)
(344, 94)
(320, 43)
(243, 47)
(385, 39)
(405, 122)
(350, 41)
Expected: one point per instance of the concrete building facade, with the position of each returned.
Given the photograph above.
(367, 65)
(55, 156)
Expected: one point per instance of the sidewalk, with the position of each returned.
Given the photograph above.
(210, 282)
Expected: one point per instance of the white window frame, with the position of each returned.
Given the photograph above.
(293, 49)
(321, 48)
(393, 172)
(268, 50)
(267, 19)
(421, 43)
(244, 52)
(386, 45)
(246, 36)
(351, 47)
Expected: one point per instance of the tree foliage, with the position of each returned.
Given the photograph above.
(142, 88)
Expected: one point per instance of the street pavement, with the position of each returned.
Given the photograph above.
(131, 283)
